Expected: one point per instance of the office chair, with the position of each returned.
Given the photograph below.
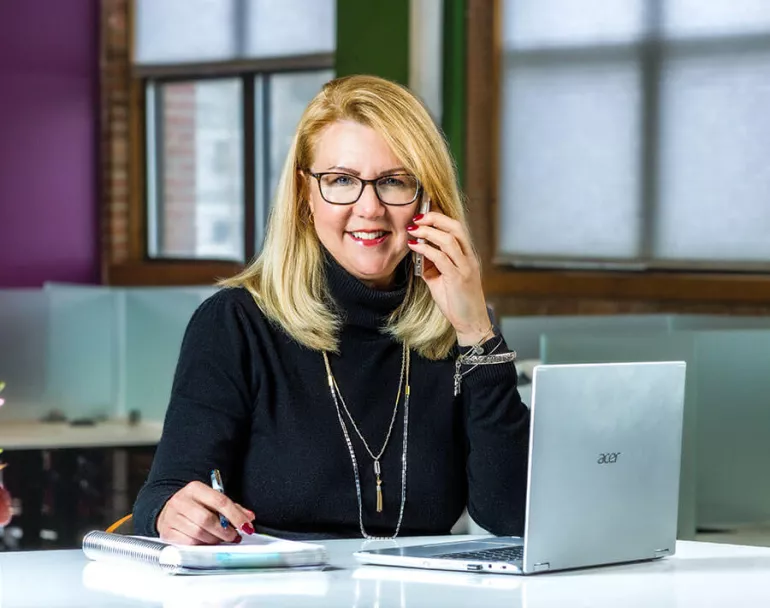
(124, 525)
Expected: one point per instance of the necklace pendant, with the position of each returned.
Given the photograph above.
(377, 472)
(379, 494)
(458, 378)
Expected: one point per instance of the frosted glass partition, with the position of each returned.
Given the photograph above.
(586, 348)
(23, 326)
(733, 377)
(155, 321)
(82, 350)
(523, 333)
(685, 322)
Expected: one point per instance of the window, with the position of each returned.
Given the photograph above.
(222, 86)
(633, 134)
(195, 169)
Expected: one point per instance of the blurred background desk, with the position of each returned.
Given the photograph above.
(31, 435)
(67, 479)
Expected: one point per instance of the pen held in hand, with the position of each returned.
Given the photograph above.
(216, 483)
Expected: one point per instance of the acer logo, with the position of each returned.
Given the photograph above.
(608, 458)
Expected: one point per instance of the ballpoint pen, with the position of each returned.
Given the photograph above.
(216, 483)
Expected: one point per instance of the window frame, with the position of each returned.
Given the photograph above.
(502, 280)
(138, 268)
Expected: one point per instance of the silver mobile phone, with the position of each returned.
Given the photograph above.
(419, 262)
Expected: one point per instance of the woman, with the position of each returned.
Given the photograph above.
(322, 381)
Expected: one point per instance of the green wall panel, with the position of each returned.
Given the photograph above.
(453, 114)
(373, 38)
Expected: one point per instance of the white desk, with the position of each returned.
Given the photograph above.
(700, 575)
(34, 435)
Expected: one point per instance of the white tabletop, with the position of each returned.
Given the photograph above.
(34, 435)
(700, 575)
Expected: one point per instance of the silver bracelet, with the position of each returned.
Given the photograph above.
(475, 359)
(489, 359)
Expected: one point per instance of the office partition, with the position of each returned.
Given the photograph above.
(23, 328)
(522, 334)
(733, 439)
(82, 350)
(154, 324)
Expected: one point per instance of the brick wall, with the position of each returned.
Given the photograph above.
(120, 104)
(179, 171)
(114, 131)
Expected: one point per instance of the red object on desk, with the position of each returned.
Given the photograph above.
(5, 507)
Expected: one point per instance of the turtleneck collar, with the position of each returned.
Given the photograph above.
(360, 304)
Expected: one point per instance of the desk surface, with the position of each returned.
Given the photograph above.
(33, 435)
(700, 575)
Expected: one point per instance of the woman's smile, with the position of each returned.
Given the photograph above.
(369, 238)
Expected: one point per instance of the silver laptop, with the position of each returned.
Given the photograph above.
(604, 455)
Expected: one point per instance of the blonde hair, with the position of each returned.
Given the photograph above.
(287, 280)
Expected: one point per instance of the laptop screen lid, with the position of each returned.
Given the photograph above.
(605, 450)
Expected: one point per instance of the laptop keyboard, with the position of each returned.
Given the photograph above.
(503, 554)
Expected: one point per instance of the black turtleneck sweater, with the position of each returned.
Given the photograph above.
(251, 401)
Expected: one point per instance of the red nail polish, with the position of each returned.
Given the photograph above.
(411, 241)
(412, 227)
(247, 528)
(418, 217)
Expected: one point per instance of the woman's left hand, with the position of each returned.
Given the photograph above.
(452, 273)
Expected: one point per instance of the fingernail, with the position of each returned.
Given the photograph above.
(238, 539)
(412, 227)
(411, 241)
(247, 528)
(418, 217)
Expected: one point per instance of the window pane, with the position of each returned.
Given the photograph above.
(686, 18)
(549, 23)
(715, 176)
(195, 186)
(290, 27)
(289, 95)
(570, 158)
(174, 31)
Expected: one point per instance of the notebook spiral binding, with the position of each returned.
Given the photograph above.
(106, 546)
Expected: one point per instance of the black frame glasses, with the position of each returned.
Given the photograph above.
(364, 182)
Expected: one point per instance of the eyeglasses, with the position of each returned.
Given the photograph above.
(343, 189)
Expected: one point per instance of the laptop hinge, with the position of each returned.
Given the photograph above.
(541, 567)
(662, 552)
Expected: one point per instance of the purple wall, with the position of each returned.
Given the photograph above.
(48, 140)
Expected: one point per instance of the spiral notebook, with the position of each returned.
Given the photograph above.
(255, 552)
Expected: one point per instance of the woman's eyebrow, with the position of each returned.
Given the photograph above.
(358, 173)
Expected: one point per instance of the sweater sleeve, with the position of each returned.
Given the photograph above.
(209, 413)
(497, 427)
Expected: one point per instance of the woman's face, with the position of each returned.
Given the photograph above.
(367, 238)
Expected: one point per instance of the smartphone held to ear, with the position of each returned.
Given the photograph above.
(419, 262)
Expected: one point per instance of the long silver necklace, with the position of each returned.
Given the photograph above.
(375, 458)
(335, 391)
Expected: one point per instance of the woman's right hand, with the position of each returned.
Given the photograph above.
(191, 517)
